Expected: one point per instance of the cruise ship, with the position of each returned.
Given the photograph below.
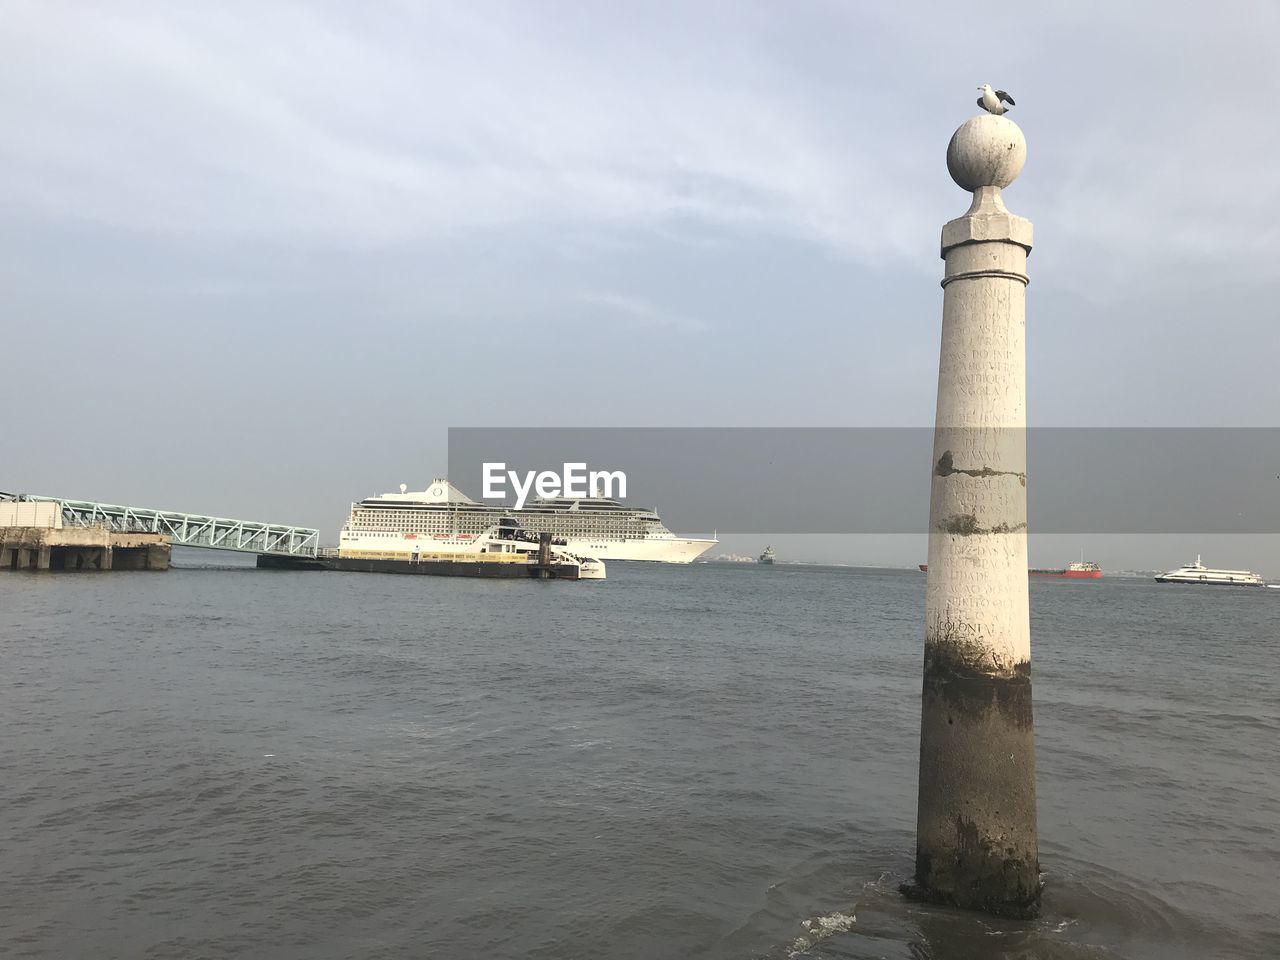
(589, 526)
(1198, 573)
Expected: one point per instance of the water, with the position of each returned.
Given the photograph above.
(711, 761)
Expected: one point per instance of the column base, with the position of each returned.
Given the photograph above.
(1028, 909)
(976, 844)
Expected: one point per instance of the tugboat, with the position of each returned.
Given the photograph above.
(768, 556)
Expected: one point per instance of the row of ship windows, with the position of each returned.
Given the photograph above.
(388, 516)
(397, 535)
(476, 528)
(385, 534)
(529, 519)
(561, 533)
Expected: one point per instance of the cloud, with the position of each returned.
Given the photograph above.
(827, 124)
(637, 312)
(194, 120)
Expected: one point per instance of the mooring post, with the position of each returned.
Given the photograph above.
(976, 841)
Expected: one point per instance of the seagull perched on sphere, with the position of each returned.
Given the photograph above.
(993, 101)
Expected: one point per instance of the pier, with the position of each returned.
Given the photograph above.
(33, 536)
(55, 533)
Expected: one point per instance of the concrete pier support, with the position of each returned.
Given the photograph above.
(976, 843)
(81, 548)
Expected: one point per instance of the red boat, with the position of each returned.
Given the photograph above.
(1075, 570)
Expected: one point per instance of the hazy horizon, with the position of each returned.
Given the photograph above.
(260, 257)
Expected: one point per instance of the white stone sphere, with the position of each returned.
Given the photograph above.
(987, 151)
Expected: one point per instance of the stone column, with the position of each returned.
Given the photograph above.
(976, 841)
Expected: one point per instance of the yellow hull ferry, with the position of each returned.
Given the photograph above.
(503, 551)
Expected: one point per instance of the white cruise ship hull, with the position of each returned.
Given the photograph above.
(657, 549)
(587, 527)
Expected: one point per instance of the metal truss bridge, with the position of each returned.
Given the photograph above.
(187, 529)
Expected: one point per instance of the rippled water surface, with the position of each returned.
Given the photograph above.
(710, 761)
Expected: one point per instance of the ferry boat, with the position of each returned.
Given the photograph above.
(1198, 573)
(595, 527)
(768, 557)
(502, 550)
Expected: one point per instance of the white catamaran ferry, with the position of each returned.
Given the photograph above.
(590, 526)
(1198, 573)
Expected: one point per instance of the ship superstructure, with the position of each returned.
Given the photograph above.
(589, 526)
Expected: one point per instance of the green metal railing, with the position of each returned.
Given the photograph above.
(187, 529)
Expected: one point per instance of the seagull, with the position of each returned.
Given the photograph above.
(990, 100)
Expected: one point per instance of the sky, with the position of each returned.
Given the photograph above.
(258, 257)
